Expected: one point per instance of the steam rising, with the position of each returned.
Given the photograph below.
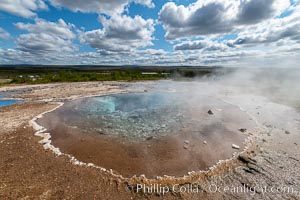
(277, 84)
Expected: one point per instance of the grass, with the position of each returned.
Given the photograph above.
(55, 74)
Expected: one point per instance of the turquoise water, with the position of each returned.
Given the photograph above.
(139, 116)
(8, 102)
(127, 115)
(143, 116)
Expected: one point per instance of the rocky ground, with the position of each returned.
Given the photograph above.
(28, 171)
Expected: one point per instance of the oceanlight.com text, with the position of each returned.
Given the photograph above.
(212, 188)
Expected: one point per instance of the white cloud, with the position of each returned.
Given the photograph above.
(28, 8)
(15, 56)
(152, 52)
(46, 37)
(262, 29)
(194, 20)
(109, 7)
(141, 57)
(120, 33)
(43, 43)
(4, 34)
(271, 31)
(260, 37)
(59, 28)
(254, 11)
(205, 45)
(23, 8)
(207, 17)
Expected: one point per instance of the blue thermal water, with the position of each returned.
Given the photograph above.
(8, 102)
(139, 115)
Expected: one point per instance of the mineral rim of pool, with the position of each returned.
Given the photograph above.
(154, 134)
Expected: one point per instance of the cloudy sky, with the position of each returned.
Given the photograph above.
(151, 32)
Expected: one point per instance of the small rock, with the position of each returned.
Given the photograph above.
(186, 142)
(243, 130)
(210, 112)
(287, 132)
(185, 146)
(204, 142)
(149, 138)
(246, 159)
(234, 146)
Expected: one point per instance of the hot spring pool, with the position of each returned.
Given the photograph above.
(136, 117)
(157, 133)
(7, 102)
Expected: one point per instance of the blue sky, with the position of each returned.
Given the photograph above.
(240, 33)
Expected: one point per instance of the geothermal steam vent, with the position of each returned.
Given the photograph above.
(155, 133)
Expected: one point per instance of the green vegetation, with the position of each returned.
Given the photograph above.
(69, 76)
(52, 74)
